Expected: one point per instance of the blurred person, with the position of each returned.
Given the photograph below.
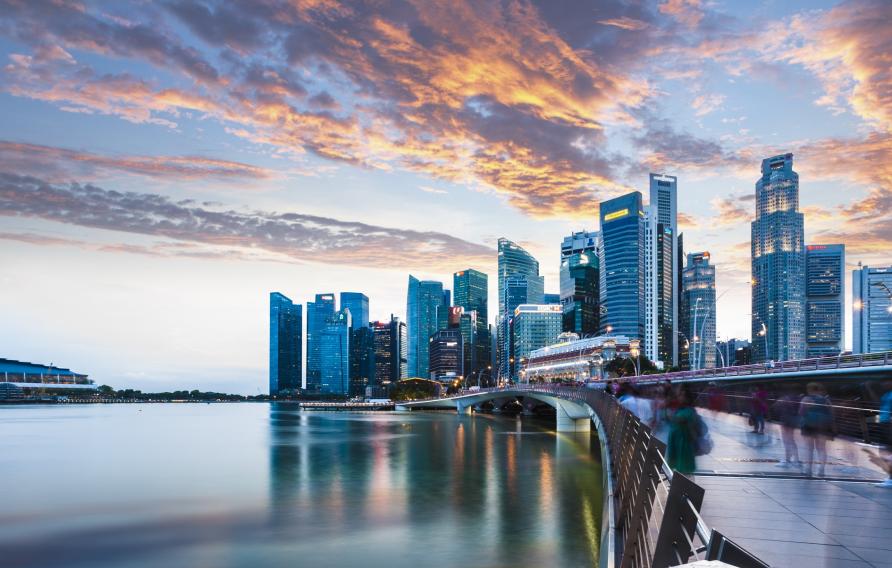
(759, 408)
(715, 398)
(660, 408)
(787, 410)
(683, 431)
(631, 399)
(884, 458)
(816, 418)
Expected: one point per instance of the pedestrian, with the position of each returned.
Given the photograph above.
(787, 411)
(817, 426)
(683, 432)
(759, 403)
(715, 399)
(884, 459)
(631, 399)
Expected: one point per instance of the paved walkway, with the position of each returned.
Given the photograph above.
(795, 521)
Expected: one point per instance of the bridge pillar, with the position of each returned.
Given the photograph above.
(571, 417)
(463, 408)
(402, 408)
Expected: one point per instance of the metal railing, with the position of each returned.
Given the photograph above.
(658, 522)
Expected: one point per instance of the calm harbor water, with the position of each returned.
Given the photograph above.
(259, 485)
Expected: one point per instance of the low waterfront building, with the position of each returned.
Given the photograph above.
(18, 377)
(574, 359)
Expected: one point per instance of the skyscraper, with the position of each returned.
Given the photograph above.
(513, 259)
(778, 257)
(580, 301)
(390, 351)
(285, 364)
(447, 355)
(358, 304)
(471, 292)
(698, 285)
(334, 353)
(580, 241)
(318, 313)
(622, 266)
(551, 298)
(825, 269)
(650, 343)
(424, 309)
(664, 201)
(871, 309)
(534, 326)
(519, 265)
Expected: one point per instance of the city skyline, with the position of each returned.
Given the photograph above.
(227, 161)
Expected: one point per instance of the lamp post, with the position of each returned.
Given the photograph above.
(696, 357)
(764, 333)
(635, 351)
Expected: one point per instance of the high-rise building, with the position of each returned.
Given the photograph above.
(516, 264)
(551, 298)
(318, 313)
(285, 364)
(579, 242)
(650, 343)
(778, 258)
(580, 303)
(668, 265)
(698, 284)
(825, 269)
(362, 360)
(471, 292)
(447, 356)
(534, 326)
(681, 342)
(390, 351)
(622, 266)
(871, 309)
(424, 312)
(334, 353)
(358, 304)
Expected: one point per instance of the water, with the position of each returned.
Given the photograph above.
(257, 485)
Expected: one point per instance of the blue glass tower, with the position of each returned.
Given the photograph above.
(334, 353)
(358, 304)
(424, 305)
(285, 323)
(825, 272)
(318, 313)
(778, 258)
(622, 266)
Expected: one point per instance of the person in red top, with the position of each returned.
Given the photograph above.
(759, 409)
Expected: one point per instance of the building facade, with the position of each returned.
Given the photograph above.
(778, 264)
(318, 313)
(471, 293)
(424, 310)
(733, 352)
(579, 242)
(534, 326)
(522, 270)
(391, 363)
(580, 277)
(667, 264)
(358, 304)
(575, 359)
(285, 345)
(447, 356)
(698, 284)
(825, 269)
(622, 266)
(871, 309)
(334, 354)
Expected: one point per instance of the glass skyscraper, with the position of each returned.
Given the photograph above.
(872, 309)
(516, 264)
(358, 304)
(580, 241)
(580, 300)
(699, 322)
(424, 309)
(390, 351)
(447, 355)
(622, 266)
(334, 353)
(825, 269)
(285, 364)
(534, 326)
(318, 313)
(470, 289)
(778, 264)
(667, 264)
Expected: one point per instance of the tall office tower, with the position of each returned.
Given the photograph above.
(424, 309)
(447, 356)
(358, 304)
(698, 284)
(334, 353)
(622, 266)
(778, 258)
(362, 360)
(285, 365)
(516, 263)
(825, 269)
(651, 305)
(519, 289)
(318, 313)
(580, 241)
(390, 351)
(871, 309)
(681, 342)
(551, 298)
(664, 200)
(580, 303)
(534, 326)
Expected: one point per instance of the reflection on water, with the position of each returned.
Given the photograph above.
(257, 485)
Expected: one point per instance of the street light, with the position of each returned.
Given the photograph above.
(635, 351)
(764, 333)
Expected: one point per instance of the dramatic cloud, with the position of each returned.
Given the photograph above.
(303, 237)
(731, 211)
(62, 164)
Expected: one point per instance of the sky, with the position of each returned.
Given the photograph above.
(164, 166)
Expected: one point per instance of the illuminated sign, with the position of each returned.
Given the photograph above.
(616, 215)
(816, 247)
(327, 297)
(462, 273)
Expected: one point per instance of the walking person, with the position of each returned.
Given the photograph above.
(787, 410)
(884, 459)
(683, 432)
(817, 426)
(759, 409)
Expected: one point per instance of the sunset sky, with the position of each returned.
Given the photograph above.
(164, 166)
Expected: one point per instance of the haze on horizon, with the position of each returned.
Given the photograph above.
(163, 167)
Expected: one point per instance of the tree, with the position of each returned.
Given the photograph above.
(620, 367)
